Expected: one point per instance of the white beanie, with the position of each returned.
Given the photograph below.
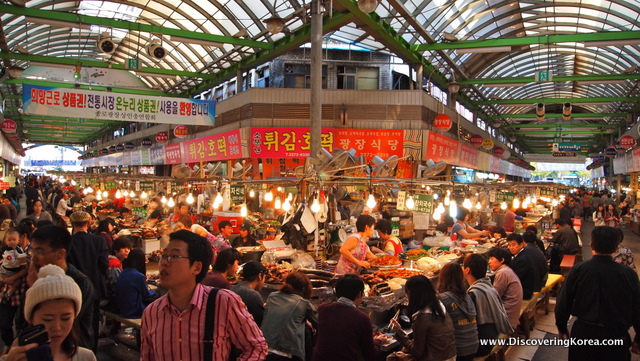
(52, 284)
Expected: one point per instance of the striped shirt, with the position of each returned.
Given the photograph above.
(168, 334)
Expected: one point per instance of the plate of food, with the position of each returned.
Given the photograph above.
(386, 261)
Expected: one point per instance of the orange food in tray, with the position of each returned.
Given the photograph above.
(386, 261)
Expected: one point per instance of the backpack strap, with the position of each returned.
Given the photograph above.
(209, 324)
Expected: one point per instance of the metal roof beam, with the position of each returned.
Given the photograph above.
(559, 100)
(632, 36)
(573, 115)
(88, 87)
(100, 64)
(551, 134)
(555, 79)
(128, 25)
(554, 126)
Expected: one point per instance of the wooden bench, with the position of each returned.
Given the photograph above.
(553, 281)
(568, 261)
(135, 323)
(527, 314)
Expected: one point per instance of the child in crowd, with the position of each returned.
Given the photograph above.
(12, 262)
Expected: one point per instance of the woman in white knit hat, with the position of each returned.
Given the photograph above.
(54, 301)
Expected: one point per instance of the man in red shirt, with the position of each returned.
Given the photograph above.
(173, 326)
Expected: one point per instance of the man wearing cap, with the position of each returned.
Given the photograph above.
(253, 277)
(89, 253)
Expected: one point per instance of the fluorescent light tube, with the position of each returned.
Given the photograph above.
(489, 49)
(202, 42)
(59, 23)
(505, 85)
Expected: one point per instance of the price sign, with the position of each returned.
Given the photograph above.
(401, 201)
(424, 203)
(146, 186)
(237, 194)
(109, 185)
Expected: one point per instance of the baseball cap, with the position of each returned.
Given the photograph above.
(252, 269)
(80, 217)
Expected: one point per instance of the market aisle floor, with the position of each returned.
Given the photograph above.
(545, 324)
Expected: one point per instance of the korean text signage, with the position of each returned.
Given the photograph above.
(423, 202)
(162, 137)
(468, 156)
(286, 142)
(564, 154)
(79, 103)
(180, 131)
(9, 126)
(221, 146)
(237, 194)
(567, 147)
(440, 148)
(172, 154)
(371, 142)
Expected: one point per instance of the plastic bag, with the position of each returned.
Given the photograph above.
(302, 260)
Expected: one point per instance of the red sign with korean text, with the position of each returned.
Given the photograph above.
(282, 167)
(172, 154)
(495, 164)
(180, 131)
(476, 140)
(442, 122)
(4, 186)
(286, 142)
(9, 126)
(499, 151)
(468, 156)
(162, 137)
(636, 159)
(221, 146)
(371, 142)
(441, 149)
(626, 142)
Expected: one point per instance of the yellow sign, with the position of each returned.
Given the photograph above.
(487, 143)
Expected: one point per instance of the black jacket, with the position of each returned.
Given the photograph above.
(531, 267)
(89, 253)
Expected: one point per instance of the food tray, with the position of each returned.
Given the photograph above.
(387, 266)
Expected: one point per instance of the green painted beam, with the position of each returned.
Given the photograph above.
(531, 40)
(553, 126)
(559, 78)
(72, 132)
(100, 64)
(559, 100)
(30, 119)
(137, 26)
(86, 87)
(563, 132)
(574, 115)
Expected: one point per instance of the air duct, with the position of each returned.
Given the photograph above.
(566, 111)
(540, 111)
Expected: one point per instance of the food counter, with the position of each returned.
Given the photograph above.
(520, 226)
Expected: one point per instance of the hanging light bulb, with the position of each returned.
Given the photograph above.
(99, 196)
(527, 199)
(525, 204)
(125, 193)
(286, 206)
(290, 197)
(503, 206)
(467, 203)
(252, 193)
(554, 202)
(516, 203)
(268, 196)
(132, 194)
(315, 206)
(440, 208)
(453, 209)
(143, 195)
(105, 194)
(534, 200)
(410, 203)
(278, 204)
(371, 201)
(478, 206)
(190, 199)
(435, 196)
(171, 203)
(73, 182)
(436, 216)
(163, 200)
(118, 194)
(447, 201)
(218, 199)
(243, 210)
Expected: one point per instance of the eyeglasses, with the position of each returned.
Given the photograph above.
(171, 258)
(39, 253)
